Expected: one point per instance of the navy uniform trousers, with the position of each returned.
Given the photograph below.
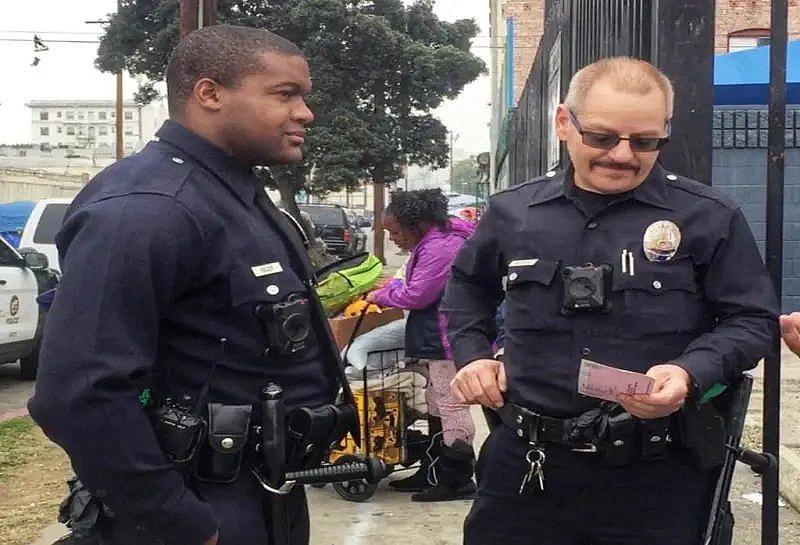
(585, 502)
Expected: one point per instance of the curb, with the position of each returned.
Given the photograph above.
(790, 475)
(16, 413)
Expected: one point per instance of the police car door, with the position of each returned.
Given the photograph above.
(18, 290)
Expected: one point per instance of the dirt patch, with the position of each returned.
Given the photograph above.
(33, 472)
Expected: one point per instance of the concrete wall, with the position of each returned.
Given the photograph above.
(742, 174)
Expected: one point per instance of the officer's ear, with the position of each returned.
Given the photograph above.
(562, 122)
(207, 94)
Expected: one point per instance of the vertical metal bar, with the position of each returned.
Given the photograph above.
(774, 249)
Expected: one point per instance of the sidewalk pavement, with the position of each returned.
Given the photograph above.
(790, 415)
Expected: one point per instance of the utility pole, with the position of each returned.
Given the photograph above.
(120, 148)
(196, 14)
(453, 138)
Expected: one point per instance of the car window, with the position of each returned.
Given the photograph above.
(50, 223)
(325, 215)
(8, 257)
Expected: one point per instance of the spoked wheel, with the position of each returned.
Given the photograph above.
(358, 490)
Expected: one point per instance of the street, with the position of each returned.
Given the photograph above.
(14, 392)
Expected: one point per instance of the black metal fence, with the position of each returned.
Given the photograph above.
(675, 35)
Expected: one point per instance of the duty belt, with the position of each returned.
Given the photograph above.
(536, 428)
(608, 430)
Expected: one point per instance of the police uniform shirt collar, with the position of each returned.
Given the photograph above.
(652, 191)
(236, 175)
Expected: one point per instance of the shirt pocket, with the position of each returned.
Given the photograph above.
(659, 298)
(532, 297)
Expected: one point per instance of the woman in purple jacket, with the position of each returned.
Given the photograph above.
(417, 221)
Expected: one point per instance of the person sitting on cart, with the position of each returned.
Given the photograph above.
(418, 222)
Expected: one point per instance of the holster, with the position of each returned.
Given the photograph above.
(220, 457)
(82, 514)
(616, 447)
(313, 432)
(702, 433)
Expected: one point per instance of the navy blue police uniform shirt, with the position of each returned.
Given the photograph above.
(158, 256)
(710, 309)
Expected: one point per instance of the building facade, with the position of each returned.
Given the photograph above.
(742, 24)
(516, 26)
(92, 123)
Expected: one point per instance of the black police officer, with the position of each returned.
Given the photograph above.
(618, 262)
(166, 256)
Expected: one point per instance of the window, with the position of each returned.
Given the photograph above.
(70, 115)
(82, 131)
(90, 116)
(44, 131)
(81, 115)
(113, 115)
(58, 130)
(44, 116)
(102, 115)
(128, 132)
(71, 131)
(748, 39)
(58, 115)
(8, 257)
(129, 115)
(50, 223)
(103, 131)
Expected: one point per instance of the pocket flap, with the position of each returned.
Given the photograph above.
(541, 272)
(246, 287)
(228, 427)
(657, 278)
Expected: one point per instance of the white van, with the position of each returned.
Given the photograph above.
(43, 224)
(21, 320)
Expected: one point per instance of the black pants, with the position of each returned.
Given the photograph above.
(243, 511)
(585, 502)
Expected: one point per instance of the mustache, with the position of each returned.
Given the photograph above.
(614, 165)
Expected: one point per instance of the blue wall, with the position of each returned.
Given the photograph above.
(742, 174)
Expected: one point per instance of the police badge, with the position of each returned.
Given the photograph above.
(661, 241)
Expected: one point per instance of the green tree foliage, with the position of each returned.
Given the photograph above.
(379, 69)
(465, 177)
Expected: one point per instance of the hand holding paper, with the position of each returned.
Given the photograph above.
(605, 382)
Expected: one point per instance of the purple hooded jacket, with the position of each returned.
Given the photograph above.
(427, 271)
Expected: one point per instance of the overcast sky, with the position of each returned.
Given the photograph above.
(67, 70)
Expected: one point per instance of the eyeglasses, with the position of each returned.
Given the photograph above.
(607, 141)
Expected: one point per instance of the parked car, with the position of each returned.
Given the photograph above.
(41, 228)
(361, 235)
(334, 227)
(24, 274)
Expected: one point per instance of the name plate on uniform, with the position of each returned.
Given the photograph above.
(266, 269)
(523, 263)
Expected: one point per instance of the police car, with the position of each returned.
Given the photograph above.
(23, 275)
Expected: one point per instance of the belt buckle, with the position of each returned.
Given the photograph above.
(586, 449)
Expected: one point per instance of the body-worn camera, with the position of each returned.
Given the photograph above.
(287, 325)
(179, 431)
(586, 289)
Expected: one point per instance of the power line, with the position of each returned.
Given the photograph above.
(51, 41)
(48, 32)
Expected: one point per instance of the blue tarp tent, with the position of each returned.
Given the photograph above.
(13, 217)
(743, 77)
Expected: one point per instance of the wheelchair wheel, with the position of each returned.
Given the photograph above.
(358, 490)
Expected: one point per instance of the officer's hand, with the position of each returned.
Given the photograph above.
(482, 381)
(790, 331)
(371, 296)
(213, 539)
(670, 389)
